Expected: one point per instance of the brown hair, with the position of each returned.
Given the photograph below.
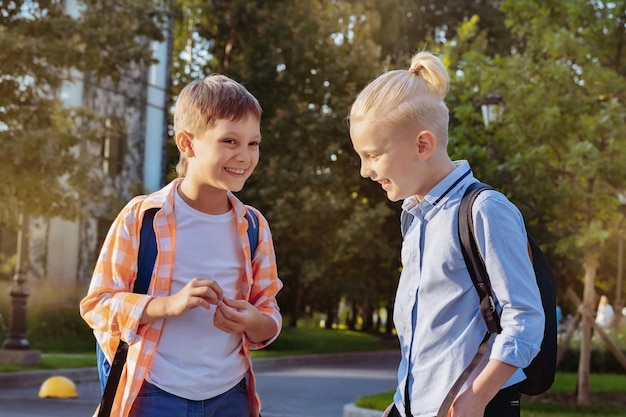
(202, 102)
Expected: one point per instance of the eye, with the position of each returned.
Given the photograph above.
(255, 144)
(229, 141)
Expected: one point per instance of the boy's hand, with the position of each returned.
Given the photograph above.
(197, 293)
(467, 404)
(239, 316)
(235, 316)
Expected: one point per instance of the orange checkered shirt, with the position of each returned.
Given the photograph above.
(113, 311)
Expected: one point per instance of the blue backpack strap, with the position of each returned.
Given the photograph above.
(110, 373)
(147, 252)
(253, 230)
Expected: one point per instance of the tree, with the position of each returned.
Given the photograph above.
(402, 27)
(47, 162)
(304, 61)
(557, 151)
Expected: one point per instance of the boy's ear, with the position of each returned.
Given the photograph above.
(425, 142)
(184, 143)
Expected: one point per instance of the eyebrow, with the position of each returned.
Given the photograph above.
(231, 133)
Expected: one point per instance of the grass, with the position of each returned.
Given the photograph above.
(56, 361)
(317, 340)
(608, 396)
(290, 342)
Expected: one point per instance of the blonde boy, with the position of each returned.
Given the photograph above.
(399, 128)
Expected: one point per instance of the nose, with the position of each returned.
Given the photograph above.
(366, 172)
(244, 155)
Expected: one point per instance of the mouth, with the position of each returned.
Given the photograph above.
(235, 171)
(384, 182)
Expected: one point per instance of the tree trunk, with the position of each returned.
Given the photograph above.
(368, 313)
(330, 317)
(353, 317)
(591, 266)
(295, 313)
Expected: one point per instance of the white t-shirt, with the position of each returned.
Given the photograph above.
(194, 359)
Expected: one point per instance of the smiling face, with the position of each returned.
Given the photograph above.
(389, 156)
(223, 157)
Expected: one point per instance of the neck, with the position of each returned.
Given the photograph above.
(206, 199)
(440, 168)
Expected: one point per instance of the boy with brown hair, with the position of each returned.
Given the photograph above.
(210, 300)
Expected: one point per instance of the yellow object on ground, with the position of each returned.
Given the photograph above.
(58, 387)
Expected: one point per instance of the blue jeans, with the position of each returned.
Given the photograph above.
(154, 402)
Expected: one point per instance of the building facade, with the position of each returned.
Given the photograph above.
(65, 251)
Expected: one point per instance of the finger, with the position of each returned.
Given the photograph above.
(204, 282)
(229, 313)
(205, 303)
(214, 286)
(207, 289)
(199, 301)
(237, 304)
(223, 323)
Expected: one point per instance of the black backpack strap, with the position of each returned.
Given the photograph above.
(146, 258)
(478, 272)
(113, 380)
(473, 258)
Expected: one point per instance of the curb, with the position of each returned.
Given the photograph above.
(351, 410)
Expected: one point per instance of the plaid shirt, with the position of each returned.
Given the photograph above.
(112, 310)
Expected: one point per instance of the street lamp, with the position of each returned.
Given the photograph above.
(16, 349)
(620, 259)
(492, 108)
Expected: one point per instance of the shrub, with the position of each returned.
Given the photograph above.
(53, 322)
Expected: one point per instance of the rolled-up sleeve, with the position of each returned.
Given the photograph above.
(504, 244)
(110, 307)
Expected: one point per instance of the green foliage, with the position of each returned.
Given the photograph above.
(335, 234)
(556, 151)
(308, 174)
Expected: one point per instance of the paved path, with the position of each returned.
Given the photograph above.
(307, 386)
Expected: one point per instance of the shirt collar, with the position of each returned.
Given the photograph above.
(441, 192)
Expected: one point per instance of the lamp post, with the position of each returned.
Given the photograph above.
(620, 260)
(16, 349)
(491, 108)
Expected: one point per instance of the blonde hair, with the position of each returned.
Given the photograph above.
(413, 96)
(202, 102)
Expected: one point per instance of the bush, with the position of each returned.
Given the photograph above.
(53, 322)
(602, 361)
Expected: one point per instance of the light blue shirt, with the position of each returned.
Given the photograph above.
(436, 285)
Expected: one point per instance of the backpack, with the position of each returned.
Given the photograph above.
(540, 373)
(109, 374)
